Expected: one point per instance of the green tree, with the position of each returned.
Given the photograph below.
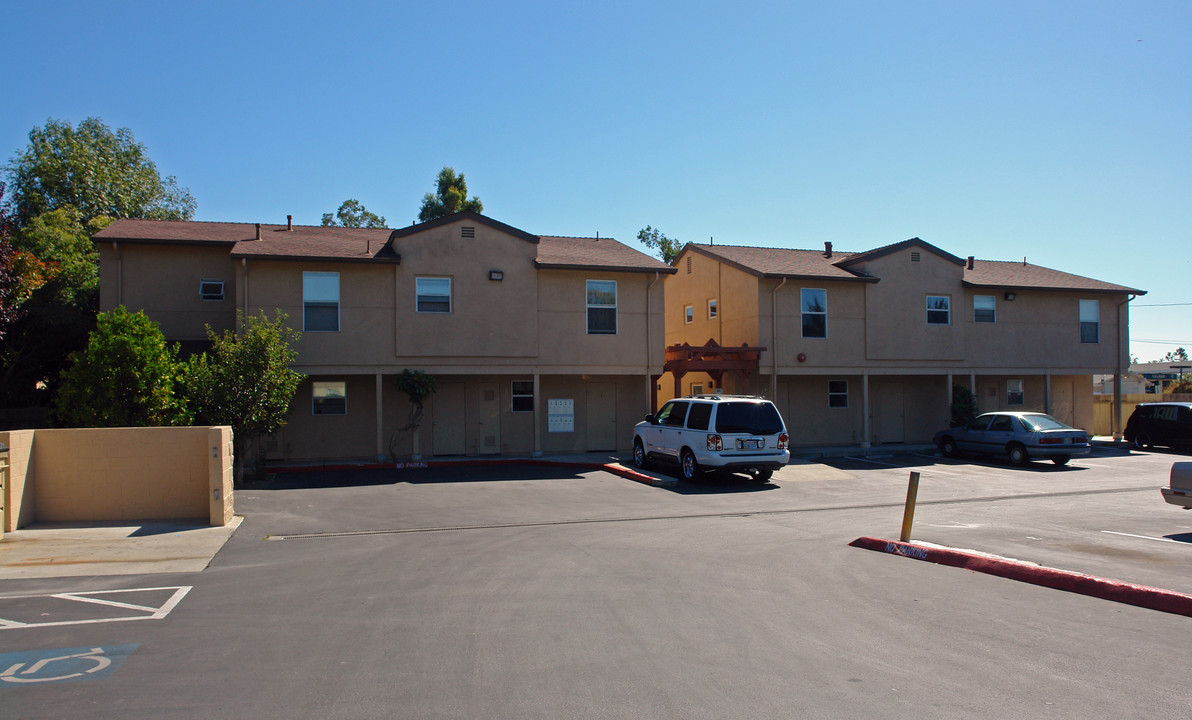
(95, 170)
(964, 406)
(126, 376)
(450, 196)
(352, 214)
(417, 386)
(246, 381)
(60, 239)
(666, 248)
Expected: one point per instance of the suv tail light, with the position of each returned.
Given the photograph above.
(715, 444)
(784, 441)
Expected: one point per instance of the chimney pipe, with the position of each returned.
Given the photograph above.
(970, 262)
(258, 231)
(290, 222)
(827, 249)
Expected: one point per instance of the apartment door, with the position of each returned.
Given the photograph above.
(889, 417)
(1062, 401)
(488, 418)
(989, 399)
(602, 416)
(447, 437)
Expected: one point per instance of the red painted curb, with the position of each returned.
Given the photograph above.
(1143, 596)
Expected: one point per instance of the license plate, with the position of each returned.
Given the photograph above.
(749, 444)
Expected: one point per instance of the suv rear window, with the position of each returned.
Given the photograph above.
(753, 418)
(699, 415)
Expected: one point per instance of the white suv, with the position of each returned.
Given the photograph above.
(714, 432)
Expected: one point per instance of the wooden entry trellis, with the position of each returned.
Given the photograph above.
(710, 358)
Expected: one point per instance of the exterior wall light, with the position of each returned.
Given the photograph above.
(1009, 296)
(496, 275)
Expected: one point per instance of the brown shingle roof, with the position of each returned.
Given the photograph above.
(1001, 274)
(568, 253)
(782, 262)
(318, 243)
(176, 231)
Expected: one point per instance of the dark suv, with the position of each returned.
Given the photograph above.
(1163, 423)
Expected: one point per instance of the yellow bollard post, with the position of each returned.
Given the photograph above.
(908, 514)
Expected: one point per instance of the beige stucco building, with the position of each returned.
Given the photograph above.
(864, 348)
(537, 344)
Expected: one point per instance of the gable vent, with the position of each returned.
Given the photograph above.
(467, 232)
(916, 257)
(688, 264)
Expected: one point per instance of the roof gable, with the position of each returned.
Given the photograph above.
(898, 247)
(463, 215)
(780, 262)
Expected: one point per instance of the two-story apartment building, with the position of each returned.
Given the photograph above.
(537, 344)
(864, 348)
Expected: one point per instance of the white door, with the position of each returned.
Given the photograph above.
(489, 418)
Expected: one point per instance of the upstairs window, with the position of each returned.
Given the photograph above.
(939, 310)
(983, 309)
(713, 309)
(1090, 321)
(434, 294)
(602, 307)
(211, 290)
(320, 302)
(814, 307)
(688, 314)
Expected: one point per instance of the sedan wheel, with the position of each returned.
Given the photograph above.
(948, 447)
(1018, 455)
(1061, 459)
(1142, 441)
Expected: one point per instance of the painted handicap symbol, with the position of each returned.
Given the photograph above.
(61, 665)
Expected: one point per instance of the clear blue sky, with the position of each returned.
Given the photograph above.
(1056, 131)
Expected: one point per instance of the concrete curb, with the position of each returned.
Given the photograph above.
(614, 468)
(1143, 596)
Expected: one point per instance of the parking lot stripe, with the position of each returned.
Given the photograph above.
(1144, 537)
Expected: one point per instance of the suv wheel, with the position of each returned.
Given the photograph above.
(688, 465)
(639, 455)
(761, 476)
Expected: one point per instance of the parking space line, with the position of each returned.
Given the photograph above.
(1144, 537)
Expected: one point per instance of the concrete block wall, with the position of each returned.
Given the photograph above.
(119, 474)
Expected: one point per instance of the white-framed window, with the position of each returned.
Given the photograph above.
(1014, 392)
(522, 392)
(1090, 321)
(814, 309)
(939, 310)
(602, 307)
(688, 314)
(211, 290)
(432, 294)
(838, 393)
(984, 309)
(713, 308)
(329, 397)
(697, 389)
(320, 301)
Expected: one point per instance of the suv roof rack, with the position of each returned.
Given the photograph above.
(707, 396)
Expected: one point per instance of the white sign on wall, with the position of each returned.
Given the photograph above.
(560, 415)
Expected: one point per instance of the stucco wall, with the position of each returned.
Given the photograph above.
(115, 474)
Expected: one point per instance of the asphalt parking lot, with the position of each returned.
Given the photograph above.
(553, 592)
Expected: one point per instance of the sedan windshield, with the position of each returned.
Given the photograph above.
(1035, 423)
(754, 418)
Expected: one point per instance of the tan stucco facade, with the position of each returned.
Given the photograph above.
(890, 369)
(514, 323)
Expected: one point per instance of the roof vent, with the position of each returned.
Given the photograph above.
(827, 249)
(290, 222)
(258, 231)
(467, 232)
(970, 262)
(916, 257)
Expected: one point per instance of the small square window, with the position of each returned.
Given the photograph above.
(522, 392)
(838, 393)
(433, 294)
(939, 310)
(1014, 393)
(211, 290)
(688, 314)
(329, 397)
(712, 309)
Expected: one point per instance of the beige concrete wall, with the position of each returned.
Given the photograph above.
(896, 307)
(116, 474)
(163, 280)
(700, 279)
(19, 492)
